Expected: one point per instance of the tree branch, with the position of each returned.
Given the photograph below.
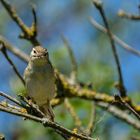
(117, 39)
(120, 114)
(4, 51)
(70, 108)
(92, 119)
(34, 24)
(45, 122)
(73, 76)
(65, 89)
(123, 14)
(121, 86)
(11, 98)
(29, 33)
(17, 52)
(128, 106)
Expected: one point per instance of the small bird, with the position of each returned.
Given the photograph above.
(40, 80)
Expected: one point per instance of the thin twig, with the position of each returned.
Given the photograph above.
(73, 91)
(70, 108)
(117, 39)
(4, 51)
(123, 14)
(17, 52)
(45, 122)
(28, 108)
(6, 104)
(92, 119)
(28, 33)
(120, 114)
(73, 76)
(11, 11)
(34, 24)
(33, 107)
(124, 103)
(65, 89)
(62, 135)
(98, 5)
(11, 98)
(86, 94)
(72, 80)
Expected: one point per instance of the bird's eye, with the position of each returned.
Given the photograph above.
(34, 51)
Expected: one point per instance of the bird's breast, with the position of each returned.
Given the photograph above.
(41, 84)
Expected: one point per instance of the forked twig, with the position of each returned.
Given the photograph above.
(28, 33)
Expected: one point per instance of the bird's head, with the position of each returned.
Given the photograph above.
(39, 55)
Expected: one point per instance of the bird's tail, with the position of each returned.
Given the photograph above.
(47, 110)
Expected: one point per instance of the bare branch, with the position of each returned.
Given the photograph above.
(45, 122)
(32, 107)
(28, 106)
(123, 14)
(4, 51)
(62, 135)
(29, 33)
(127, 105)
(92, 119)
(34, 24)
(75, 91)
(120, 114)
(98, 5)
(70, 108)
(71, 91)
(68, 90)
(23, 56)
(6, 104)
(73, 60)
(10, 98)
(117, 39)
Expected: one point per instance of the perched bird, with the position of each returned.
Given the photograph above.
(40, 80)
